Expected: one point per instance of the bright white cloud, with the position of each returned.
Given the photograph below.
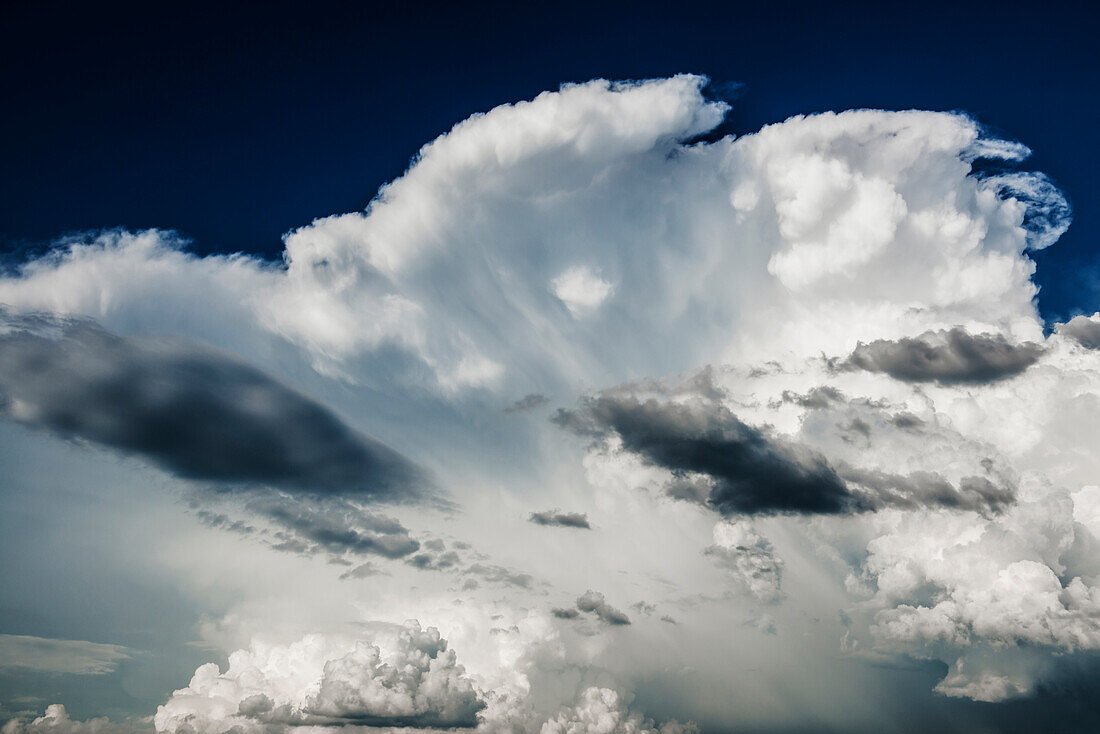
(409, 678)
(581, 290)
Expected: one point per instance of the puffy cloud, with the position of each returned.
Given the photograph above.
(593, 602)
(581, 290)
(60, 656)
(749, 559)
(195, 411)
(947, 357)
(553, 518)
(601, 711)
(56, 721)
(1085, 330)
(404, 677)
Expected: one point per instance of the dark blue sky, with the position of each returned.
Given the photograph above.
(235, 123)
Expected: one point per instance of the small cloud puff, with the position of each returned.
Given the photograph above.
(581, 289)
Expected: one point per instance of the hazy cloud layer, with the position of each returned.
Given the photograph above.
(200, 413)
(953, 357)
(60, 656)
(527, 403)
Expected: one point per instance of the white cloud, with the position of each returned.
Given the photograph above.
(600, 711)
(749, 559)
(581, 290)
(56, 721)
(404, 677)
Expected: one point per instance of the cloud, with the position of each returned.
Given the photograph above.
(581, 290)
(334, 526)
(593, 602)
(553, 518)
(562, 613)
(1085, 330)
(61, 656)
(823, 234)
(362, 571)
(404, 677)
(527, 402)
(499, 575)
(56, 721)
(748, 558)
(952, 357)
(751, 472)
(193, 410)
(929, 489)
(601, 711)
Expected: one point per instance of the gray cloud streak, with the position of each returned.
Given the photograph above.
(952, 357)
(553, 518)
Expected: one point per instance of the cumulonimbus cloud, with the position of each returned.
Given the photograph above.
(760, 254)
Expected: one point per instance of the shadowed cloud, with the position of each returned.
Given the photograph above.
(553, 518)
(952, 357)
(195, 411)
(751, 472)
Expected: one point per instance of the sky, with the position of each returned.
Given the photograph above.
(594, 369)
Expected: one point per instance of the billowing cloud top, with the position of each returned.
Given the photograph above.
(811, 416)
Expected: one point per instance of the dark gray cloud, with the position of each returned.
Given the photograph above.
(1083, 330)
(929, 489)
(561, 613)
(817, 397)
(751, 472)
(593, 602)
(952, 357)
(434, 561)
(553, 518)
(222, 521)
(195, 411)
(527, 403)
(333, 526)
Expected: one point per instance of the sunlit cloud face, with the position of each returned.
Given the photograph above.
(616, 417)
